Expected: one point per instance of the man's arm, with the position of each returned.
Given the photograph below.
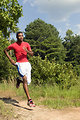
(10, 59)
(30, 52)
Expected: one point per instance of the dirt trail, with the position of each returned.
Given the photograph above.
(41, 113)
(24, 112)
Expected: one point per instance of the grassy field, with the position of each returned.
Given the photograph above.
(6, 111)
(53, 97)
(49, 96)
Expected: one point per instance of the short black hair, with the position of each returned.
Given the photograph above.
(18, 33)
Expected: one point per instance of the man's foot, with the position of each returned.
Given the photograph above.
(18, 82)
(30, 103)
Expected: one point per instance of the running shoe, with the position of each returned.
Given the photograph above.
(30, 103)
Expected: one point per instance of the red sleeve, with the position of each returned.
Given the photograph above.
(28, 46)
(10, 47)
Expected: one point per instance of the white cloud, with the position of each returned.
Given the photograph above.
(58, 10)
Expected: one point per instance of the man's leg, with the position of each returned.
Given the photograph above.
(30, 102)
(18, 82)
(26, 87)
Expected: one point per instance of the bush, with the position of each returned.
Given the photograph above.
(46, 72)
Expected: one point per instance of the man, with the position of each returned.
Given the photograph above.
(21, 49)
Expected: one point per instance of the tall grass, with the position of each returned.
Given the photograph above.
(54, 97)
(6, 111)
(49, 96)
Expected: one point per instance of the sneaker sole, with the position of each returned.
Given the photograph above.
(31, 105)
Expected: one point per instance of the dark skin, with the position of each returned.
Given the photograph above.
(30, 52)
(19, 40)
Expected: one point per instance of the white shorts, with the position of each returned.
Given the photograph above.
(24, 69)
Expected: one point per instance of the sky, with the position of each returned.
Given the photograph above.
(62, 14)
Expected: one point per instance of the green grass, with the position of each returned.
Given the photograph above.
(6, 110)
(53, 97)
(49, 96)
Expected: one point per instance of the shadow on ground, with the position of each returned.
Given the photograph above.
(13, 102)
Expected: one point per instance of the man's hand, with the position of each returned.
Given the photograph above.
(25, 49)
(30, 52)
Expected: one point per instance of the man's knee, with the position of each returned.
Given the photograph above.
(24, 80)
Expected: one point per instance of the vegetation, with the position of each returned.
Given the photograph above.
(72, 45)
(55, 65)
(47, 95)
(52, 73)
(10, 12)
(6, 111)
(44, 40)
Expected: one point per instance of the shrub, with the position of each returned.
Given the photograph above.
(46, 72)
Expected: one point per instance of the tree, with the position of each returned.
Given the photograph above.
(44, 40)
(10, 12)
(67, 39)
(6, 69)
(74, 53)
(72, 45)
(67, 42)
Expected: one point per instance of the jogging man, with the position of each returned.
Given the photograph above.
(21, 49)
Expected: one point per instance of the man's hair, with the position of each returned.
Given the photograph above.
(18, 33)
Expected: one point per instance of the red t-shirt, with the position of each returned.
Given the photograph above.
(20, 53)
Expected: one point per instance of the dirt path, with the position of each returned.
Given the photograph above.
(24, 112)
(41, 113)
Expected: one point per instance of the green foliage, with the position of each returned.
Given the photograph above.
(69, 33)
(46, 72)
(6, 111)
(72, 45)
(7, 71)
(10, 12)
(44, 40)
(74, 50)
(48, 95)
(3, 59)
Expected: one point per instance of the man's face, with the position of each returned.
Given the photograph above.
(20, 37)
